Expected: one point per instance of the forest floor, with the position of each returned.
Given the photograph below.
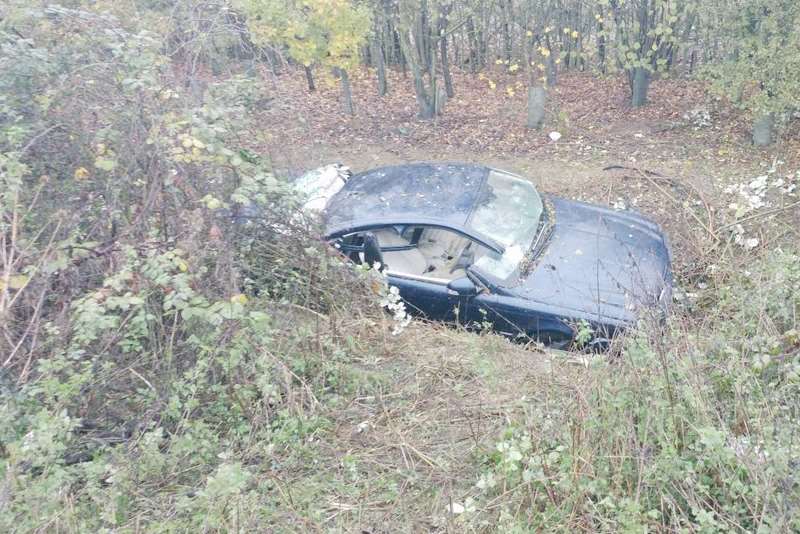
(447, 397)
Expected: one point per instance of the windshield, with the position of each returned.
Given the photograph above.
(509, 210)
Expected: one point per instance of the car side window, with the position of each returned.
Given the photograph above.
(433, 253)
(447, 254)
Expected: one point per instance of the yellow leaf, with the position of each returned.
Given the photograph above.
(239, 299)
(81, 173)
(182, 266)
(18, 281)
(376, 287)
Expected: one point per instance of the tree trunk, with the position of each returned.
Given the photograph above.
(397, 49)
(309, 79)
(687, 33)
(764, 129)
(601, 42)
(423, 38)
(641, 82)
(552, 71)
(425, 100)
(380, 66)
(692, 62)
(273, 61)
(537, 98)
(507, 48)
(401, 54)
(686, 63)
(601, 48)
(444, 12)
(474, 52)
(448, 78)
(347, 93)
(440, 100)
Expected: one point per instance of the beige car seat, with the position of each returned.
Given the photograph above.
(410, 261)
(442, 247)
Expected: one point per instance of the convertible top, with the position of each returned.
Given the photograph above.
(420, 193)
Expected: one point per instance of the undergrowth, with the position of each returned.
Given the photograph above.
(693, 428)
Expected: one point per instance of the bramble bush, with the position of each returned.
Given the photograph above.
(146, 380)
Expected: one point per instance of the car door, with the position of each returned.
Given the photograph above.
(517, 318)
(425, 297)
(407, 269)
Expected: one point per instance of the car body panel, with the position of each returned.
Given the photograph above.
(444, 194)
(515, 317)
(430, 300)
(602, 264)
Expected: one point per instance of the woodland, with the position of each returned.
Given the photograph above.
(163, 369)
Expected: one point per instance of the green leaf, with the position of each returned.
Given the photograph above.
(105, 164)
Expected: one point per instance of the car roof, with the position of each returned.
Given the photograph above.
(440, 194)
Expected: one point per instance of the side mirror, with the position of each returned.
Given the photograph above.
(463, 287)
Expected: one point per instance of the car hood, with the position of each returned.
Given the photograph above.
(602, 264)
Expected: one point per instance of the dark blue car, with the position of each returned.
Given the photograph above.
(479, 246)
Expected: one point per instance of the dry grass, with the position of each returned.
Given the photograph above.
(444, 398)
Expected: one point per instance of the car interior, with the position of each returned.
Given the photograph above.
(428, 252)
